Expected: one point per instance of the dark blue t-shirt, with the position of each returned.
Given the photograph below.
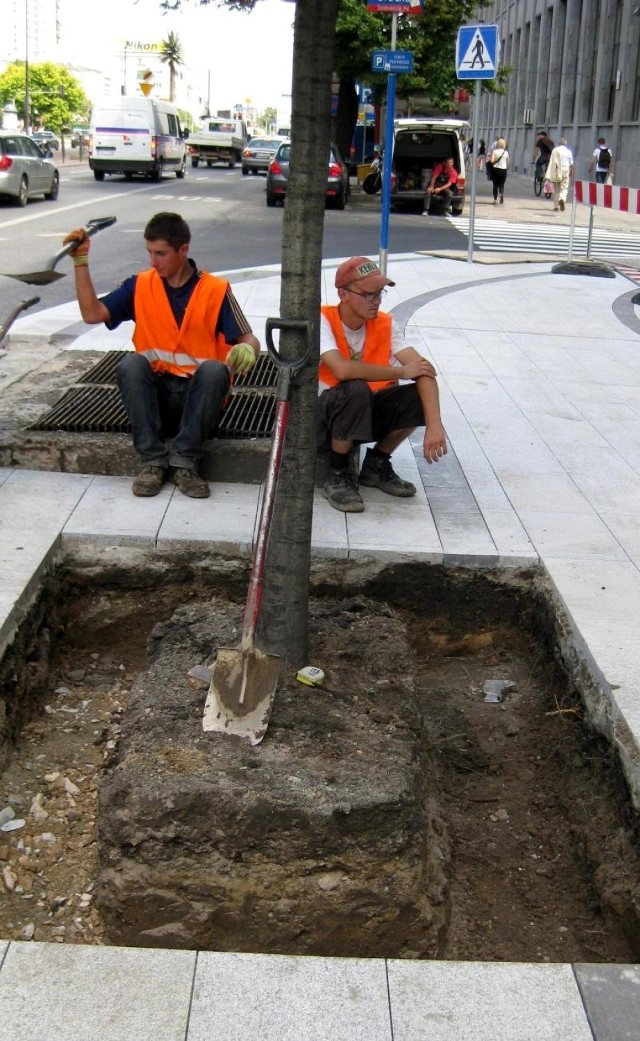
(120, 304)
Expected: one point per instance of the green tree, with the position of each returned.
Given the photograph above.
(56, 98)
(171, 54)
(267, 119)
(430, 37)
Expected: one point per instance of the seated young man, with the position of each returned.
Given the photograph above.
(441, 188)
(363, 355)
(190, 338)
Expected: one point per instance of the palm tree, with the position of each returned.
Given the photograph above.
(171, 55)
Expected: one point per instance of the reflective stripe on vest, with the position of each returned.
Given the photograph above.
(168, 348)
(376, 350)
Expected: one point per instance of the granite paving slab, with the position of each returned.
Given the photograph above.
(56, 992)
(473, 1001)
(258, 998)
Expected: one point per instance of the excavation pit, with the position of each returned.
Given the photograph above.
(393, 812)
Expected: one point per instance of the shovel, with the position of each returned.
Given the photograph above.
(11, 317)
(44, 278)
(243, 683)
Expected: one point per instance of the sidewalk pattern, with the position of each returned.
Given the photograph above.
(540, 388)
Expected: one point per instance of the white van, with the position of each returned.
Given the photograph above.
(418, 144)
(136, 135)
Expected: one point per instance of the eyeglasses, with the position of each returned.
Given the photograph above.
(367, 296)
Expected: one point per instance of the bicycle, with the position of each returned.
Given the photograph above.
(539, 174)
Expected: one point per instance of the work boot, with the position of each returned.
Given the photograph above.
(150, 480)
(377, 472)
(190, 483)
(342, 492)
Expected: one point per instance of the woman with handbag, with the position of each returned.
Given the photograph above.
(499, 165)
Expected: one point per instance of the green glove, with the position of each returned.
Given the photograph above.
(241, 358)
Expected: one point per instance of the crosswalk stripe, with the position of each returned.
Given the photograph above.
(499, 236)
(632, 273)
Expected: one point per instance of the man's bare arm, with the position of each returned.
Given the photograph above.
(411, 368)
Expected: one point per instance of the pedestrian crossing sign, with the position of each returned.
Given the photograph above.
(477, 52)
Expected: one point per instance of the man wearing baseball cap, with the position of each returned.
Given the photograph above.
(363, 356)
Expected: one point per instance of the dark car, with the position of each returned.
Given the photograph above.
(259, 152)
(337, 177)
(46, 137)
(24, 170)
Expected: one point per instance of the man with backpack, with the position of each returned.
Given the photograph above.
(602, 160)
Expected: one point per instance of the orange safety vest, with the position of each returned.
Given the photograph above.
(168, 348)
(376, 351)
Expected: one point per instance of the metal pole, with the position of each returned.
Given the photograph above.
(571, 229)
(590, 232)
(474, 138)
(27, 100)
(387, 157)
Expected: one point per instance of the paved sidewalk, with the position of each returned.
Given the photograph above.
(540, 385)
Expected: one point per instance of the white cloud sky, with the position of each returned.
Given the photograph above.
(240, 55)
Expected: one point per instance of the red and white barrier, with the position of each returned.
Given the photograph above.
(611, 196)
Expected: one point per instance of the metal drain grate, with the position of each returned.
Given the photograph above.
(105, 370)
(250, 413)
(95, 406)
(98, 410)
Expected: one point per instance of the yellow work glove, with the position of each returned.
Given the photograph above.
(79, 255)
(241, 358)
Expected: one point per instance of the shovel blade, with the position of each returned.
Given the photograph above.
(241, 693)
(38, 278)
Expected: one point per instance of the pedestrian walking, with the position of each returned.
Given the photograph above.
(482, 152)
(499, 166)
(602, 162)
(559, 172)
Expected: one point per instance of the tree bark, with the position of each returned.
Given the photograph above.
(347, 116)
(283, 627)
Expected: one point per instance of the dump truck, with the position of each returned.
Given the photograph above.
(218, 141)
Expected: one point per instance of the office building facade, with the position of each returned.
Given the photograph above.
(575, 72)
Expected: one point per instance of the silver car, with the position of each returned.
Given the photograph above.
(337, 193)
(24, 171)
(259, 152)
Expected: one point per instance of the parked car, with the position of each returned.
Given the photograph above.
(337, 177)
(80, 136)
(259, 153)
(24, 171)
(46, 137)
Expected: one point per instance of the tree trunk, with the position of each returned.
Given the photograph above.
(283, 625)
(347, 116)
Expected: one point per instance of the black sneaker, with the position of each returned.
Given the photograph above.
(377, 472)
(342, 492)
(561, 205)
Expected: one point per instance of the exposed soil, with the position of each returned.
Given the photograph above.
(541, 854)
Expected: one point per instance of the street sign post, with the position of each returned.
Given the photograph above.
(392, 61)
(477, 56)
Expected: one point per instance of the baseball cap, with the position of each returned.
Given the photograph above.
(368, 275)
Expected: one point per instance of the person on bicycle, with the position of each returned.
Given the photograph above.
(541, 151)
